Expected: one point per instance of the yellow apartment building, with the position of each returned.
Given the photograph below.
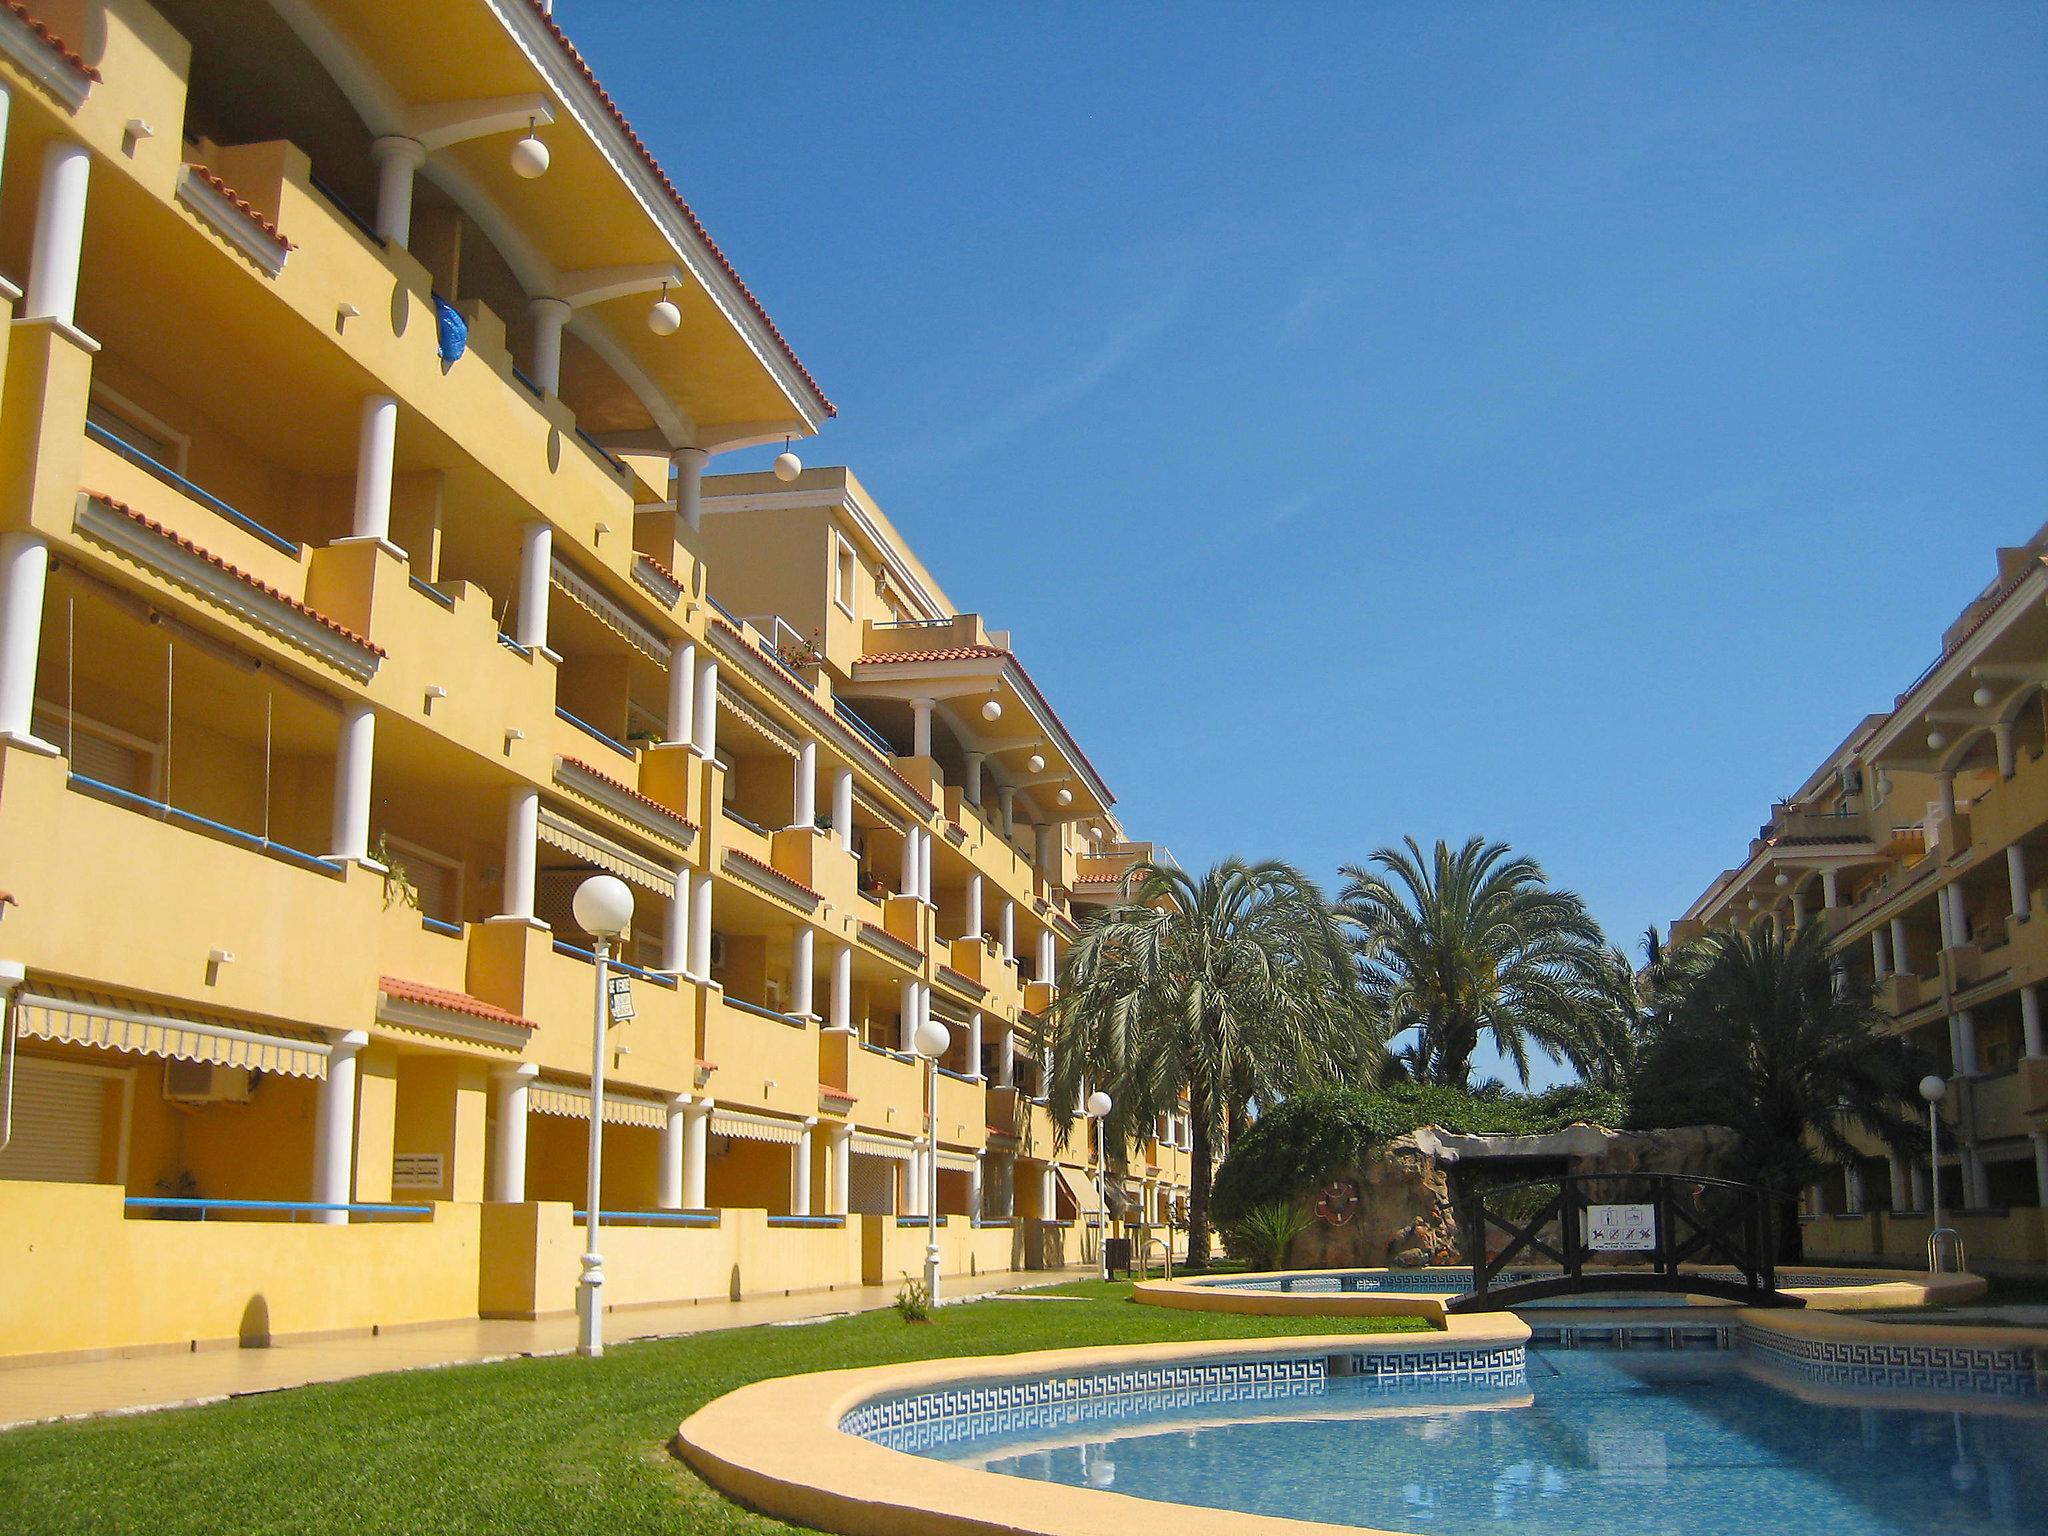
(361, 593)
(1921, 844)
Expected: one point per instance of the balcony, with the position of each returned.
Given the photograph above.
(764, 1059)
(2033, 1088)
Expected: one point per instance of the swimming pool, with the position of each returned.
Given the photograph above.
(1545, 1442)
(1458, 1282)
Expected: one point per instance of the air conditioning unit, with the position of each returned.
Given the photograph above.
(205, 1082)
(1851, 778)
(717, 951)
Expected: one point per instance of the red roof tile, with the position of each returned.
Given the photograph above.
(242, 204)
(575, 57)
(632, 794)
(838, 1094)
(451, 1002)
(748, 858)
(236, 571)
(950, 653)
(56, 44)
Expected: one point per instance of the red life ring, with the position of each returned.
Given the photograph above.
(1337, 1202)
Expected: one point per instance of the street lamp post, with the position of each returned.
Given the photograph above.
(1098, 1111)
(1933, 1090)
(931, 1040)
(604, 909)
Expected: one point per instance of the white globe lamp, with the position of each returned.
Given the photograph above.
(931, 1039)
(1098, 1104)
(603, 906)
(1933, 1089)
(787, 467)
(529, 157)
(664, 319)
(1036, 762)
(992, 710)
(1065, 797)
(1937, 740)
(1982, 697)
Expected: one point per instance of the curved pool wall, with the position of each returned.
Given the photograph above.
(797, 1447)
(1425, 1292)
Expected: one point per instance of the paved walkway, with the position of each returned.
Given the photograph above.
(137, 1383)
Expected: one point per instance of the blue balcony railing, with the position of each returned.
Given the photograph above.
(564, 947)
(176, 481)
(815, 1222)
(654, 1218)
(762, 1013)
(294, 1208)
(590, 730)
(198, 823)
(866, 732)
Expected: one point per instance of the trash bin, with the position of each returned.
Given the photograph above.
(1116, 1254)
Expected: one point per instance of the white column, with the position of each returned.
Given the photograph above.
(522, 837)
(974, 1185)
(1976, 1186)
(1047, 964)
(2040, 1141)
(682, 690)
(1916, 1178)
(906, 1025)
(2030, 1021)
(59, 240)
(1962, 1042)
(1006, 797)
(924, 866)
(1009, 929)
(689, 463)
(2016, 879)
(1852, 1180)
(668, 1173)
(2001, 736)
(1880, 954)
(1798, 912)
(839, 1156)
(707, 709)
(396, 158)
(841, 1006)
(974, 762)
(550, 316)
(1048, 1201)
(920, 727)
(804, 798)
(1959, 914)
(700, 927)
(1902, 955)
(1043, 858)
(353, 755)
(334, 1128)
(1945, 793)
(1006, 1060)
(803, 974)
(1944, 911)
(842, 807)
(908, 882)
(800, 1171)
(696, 1145)
(376, 452)
(974, 1046)
(973, 930)
(675, 932)
(508, 1143)
(24, 570)
(536, 563)
(1830, 888)
(1902, 1198)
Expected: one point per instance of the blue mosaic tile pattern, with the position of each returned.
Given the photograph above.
(1457, 1282)
(1981, 1370)
(942, 1415)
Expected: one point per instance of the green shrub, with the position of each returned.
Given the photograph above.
(1261, 1235)
(1302, 1142)
(914, 1302)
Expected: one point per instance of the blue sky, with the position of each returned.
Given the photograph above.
(1560, 423)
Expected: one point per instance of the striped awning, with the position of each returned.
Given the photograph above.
(572, 1101)
(958, 1162)
(731, 703)
(881, 1146)
(600, 605)
(742, 1126)
(83, 1018)
(594, 847)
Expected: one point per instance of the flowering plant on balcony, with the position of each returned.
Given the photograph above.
(798, 652)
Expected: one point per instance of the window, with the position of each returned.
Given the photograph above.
(100, 751)
(60, 1115)
(123, 418)
(436, 877)
(845, 566)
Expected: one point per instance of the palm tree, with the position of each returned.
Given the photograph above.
(1473, 944)
(1775, 1041)
(1234, 986)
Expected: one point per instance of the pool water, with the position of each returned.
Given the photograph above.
(1623, 1442)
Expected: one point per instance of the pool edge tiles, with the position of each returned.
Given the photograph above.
(777, 1446)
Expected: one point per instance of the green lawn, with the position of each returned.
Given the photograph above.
(552, 1447)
